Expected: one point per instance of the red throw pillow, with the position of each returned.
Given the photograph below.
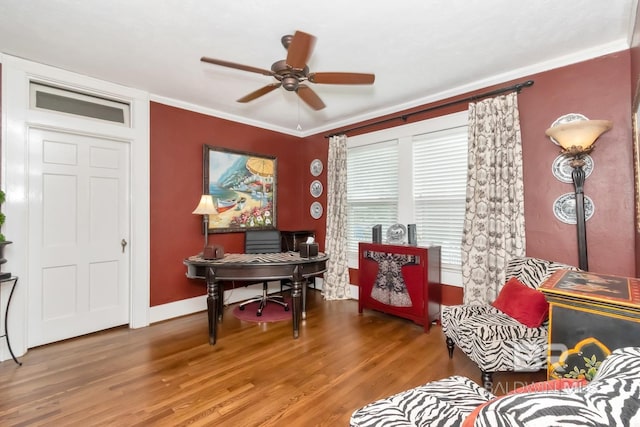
(528, 306)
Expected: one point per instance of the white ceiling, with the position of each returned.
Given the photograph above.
(419, 50)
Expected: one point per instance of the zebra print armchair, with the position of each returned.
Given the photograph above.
(495, 341)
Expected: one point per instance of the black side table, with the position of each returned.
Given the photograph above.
(14, 281)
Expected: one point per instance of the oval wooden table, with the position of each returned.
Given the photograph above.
(255, 268)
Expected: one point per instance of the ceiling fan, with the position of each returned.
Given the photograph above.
(290, 73)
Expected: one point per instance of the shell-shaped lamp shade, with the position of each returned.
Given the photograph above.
(580, 133)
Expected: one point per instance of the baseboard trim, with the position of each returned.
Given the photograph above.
(354, 291)
(188, 306)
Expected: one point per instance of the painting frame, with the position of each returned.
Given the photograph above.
(243, 186)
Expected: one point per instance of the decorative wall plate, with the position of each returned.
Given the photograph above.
(562, 170)
(316, 210)
(564, 208)
(315, 188)
(316, 167)
(396, 233)
(567, 118)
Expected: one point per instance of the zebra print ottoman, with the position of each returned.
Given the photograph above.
(612, 398)
(446, 402)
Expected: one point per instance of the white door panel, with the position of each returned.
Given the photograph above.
(79, 214)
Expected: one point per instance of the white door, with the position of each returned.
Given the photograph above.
(78, 235)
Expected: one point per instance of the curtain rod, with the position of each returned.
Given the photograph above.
(517, 88)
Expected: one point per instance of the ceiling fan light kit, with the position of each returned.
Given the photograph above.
(293, 71)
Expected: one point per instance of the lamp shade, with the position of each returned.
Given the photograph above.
(580, 134)
(206, 206)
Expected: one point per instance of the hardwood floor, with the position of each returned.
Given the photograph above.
(256, 375)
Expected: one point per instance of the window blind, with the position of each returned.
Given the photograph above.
(372, 190)
(439, 190)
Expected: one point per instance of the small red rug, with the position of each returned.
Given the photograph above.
(272, 312)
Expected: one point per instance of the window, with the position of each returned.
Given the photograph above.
(66, 101)
(439, 190)
(372, 190)
(412, 174)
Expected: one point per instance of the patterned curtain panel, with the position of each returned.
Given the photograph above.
(336, 278)
(494, 220)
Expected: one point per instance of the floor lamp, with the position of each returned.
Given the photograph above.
(577, 139)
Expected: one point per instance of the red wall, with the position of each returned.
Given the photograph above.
(177, 138)
(635, 101)
(599, 89)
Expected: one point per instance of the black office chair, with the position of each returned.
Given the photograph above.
(263, 242)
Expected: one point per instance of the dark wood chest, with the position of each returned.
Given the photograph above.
(590, 316)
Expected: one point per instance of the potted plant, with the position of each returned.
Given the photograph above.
(3, 241)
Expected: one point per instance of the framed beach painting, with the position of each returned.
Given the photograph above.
(243, 188)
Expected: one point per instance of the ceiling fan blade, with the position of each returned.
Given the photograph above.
(258, 93)
(342, 78)
(299, 50)
(310, 97)
(237, 66)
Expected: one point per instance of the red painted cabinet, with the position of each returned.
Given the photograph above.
(400, 280)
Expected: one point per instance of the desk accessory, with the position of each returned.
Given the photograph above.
(206, 208)
(309, 249)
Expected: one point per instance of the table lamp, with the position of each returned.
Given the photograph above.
(206, 208)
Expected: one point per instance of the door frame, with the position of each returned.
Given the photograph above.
(17, 118)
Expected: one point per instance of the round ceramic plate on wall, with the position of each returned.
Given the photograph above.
(564, 208)
(315, 210)
(316, 167)
(567, 118)
(562, 169)
(315, 188)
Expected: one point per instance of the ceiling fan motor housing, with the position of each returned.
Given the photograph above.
(289, 77)
(290, 83)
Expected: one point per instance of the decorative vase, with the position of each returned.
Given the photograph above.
(3, 275)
